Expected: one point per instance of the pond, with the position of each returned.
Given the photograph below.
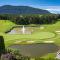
(30, 33)
(36, 50)
(23, 29)
(20, 30)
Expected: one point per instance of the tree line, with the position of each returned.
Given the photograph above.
(31, 19)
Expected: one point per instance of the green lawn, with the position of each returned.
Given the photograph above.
(39, 35)
(5, 25)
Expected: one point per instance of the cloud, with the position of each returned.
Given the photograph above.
(53, 9)
(50, 7)
(56, 11)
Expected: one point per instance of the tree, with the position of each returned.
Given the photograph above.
(2, 45)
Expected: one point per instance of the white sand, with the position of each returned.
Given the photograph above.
(26, 41)
(48, 41)
(30, 41)
(18, 41)
(57, 31)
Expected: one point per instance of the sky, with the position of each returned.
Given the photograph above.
(50, 5)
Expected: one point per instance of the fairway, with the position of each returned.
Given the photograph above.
(48, 34)
(38, 35)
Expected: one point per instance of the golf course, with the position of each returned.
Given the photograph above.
(29, 30)
(47, 33)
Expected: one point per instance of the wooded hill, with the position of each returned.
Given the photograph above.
(8, 9)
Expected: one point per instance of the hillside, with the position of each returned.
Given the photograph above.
(5, 25)
(8, 9)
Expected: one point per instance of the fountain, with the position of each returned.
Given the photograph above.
(23, 30)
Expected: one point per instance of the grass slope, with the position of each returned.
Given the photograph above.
(5, 25)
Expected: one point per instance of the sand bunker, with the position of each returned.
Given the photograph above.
(30, 41)
(58, 31)
(48, 41)
(26, 41)
(18, 41)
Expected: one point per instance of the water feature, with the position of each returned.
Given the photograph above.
(20, 30)
(12, 32)
(23, 30)
(36, 50)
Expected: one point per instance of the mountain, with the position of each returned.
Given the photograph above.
(9, 9)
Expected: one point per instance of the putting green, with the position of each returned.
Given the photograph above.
(19, 38)
(44, 35)
(40, 35)
(33, 36)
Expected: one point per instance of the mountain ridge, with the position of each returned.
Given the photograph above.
(9, 9)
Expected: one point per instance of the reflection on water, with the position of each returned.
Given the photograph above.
(20, 30)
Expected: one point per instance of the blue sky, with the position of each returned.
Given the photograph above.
(51, 5)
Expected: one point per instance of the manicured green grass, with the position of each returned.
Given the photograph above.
(39, 35)
(5, 25)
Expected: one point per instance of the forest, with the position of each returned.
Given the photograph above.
(31, 19)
